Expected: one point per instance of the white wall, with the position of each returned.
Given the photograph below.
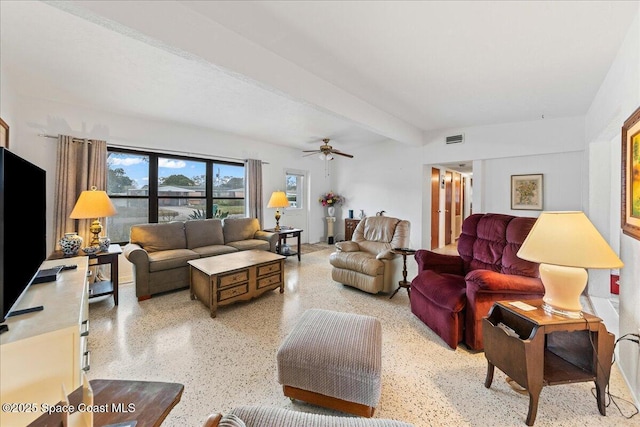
(385, 176)
(33, 117)
(562, 181)
(539, 136)
(553, 147)
(617, 99)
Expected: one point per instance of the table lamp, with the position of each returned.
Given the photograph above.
(93, 204)
(278, 200)
(565, 244)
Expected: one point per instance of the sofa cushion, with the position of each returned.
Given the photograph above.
(236, 229)
(490, 242)
(517, 231)
(362, 262)
(213, 250)
(444, 290)
(159, 237)
(376, 229)
(231, 420)
(263, 415)
(203, 232)
(244, 245)
(172, 258)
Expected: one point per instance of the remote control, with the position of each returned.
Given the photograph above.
(69, 267)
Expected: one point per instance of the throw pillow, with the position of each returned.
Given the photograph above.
(231, 421)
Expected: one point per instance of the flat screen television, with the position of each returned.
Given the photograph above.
(23, 211)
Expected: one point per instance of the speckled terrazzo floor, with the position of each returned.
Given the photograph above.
(230, 360)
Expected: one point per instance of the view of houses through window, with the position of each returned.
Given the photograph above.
(295, 186)
(150, 187)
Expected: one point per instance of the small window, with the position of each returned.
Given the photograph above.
(295, 186)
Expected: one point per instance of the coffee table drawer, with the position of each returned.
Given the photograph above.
(228, 293)
(266, 269)
(269, 281)
(233, 278)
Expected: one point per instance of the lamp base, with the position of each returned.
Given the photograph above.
(563, 287)
(277, 228)
(565, 313)
(95, 229)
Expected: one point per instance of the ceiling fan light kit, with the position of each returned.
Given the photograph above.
(326, 151)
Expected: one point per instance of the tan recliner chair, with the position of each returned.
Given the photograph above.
(366, 261)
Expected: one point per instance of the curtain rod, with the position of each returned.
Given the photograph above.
(182, 153)
(72, 139)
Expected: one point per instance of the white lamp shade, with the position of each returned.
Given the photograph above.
(567, 239)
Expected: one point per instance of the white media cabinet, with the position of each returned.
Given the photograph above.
(44, 349)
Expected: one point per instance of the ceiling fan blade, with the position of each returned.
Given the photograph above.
(311, 151)
(310, 154)
(342, 154)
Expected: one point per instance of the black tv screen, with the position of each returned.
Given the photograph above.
(23, 211)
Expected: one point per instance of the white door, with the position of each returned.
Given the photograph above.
(296, 215)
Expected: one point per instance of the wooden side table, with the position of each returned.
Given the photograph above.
(282, 238)
(403, 283)
(148, 403)
(350, 224)
(537, 349)
(105, 287)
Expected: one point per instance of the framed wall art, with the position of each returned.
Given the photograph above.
(630, 209)
(526, 192)
(4, 134)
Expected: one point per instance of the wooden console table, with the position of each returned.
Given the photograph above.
(147, 403)
(537, 349)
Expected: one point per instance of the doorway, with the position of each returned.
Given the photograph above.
(450, 203)
(296, 215)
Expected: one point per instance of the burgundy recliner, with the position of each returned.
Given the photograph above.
(451, 294)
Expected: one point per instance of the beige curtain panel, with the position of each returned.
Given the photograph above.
(254, 181)
(81, 164)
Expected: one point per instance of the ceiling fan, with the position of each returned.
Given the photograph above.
(326, 151)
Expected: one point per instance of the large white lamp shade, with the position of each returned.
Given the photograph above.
(565, 244)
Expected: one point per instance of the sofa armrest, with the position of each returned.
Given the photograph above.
(136, 254)
(213, 420)
(491, 281)
(387, 254)
(348, 246)
(439, 263)
(484, 288)
(272, 238)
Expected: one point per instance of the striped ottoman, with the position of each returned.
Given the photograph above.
(334, 360)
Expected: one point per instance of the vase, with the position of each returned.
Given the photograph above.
(104, 244)
(70, 244)
(331, 210)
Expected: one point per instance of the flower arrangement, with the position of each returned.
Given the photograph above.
(331, 199)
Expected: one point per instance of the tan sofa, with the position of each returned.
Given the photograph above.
(159, 252)
(268, 416)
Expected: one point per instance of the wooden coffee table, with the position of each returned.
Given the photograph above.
(146, 402)
(240, 276)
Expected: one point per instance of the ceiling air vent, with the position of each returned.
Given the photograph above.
(455, 139)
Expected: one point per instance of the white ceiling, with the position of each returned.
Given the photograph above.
(416, 65)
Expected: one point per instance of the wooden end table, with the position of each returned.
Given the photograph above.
(282, 238)
(403, 283)
(148, 403)
(537, 349)
(104, 287)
